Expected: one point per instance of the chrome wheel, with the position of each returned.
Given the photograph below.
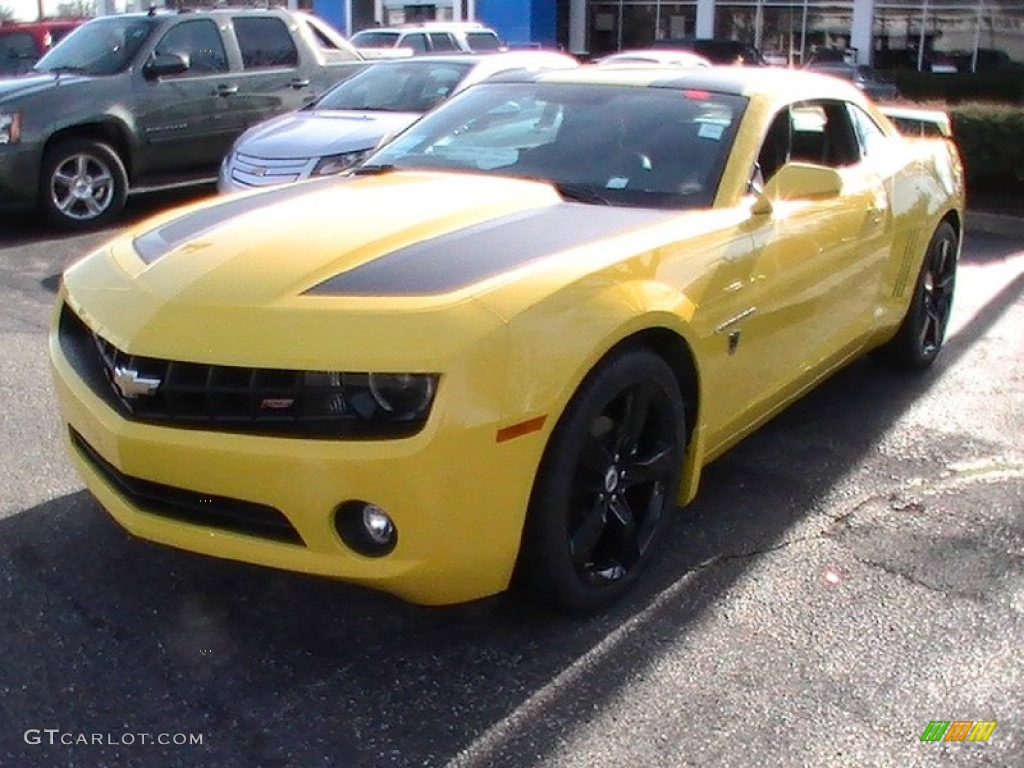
(84, 184)
(82, 187)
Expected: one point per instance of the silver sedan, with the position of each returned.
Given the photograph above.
(350, 120)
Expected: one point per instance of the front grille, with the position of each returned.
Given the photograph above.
(253, 171)
(224, 398)
(188, 506)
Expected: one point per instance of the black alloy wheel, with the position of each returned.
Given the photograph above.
(607, 484)
(919, 339)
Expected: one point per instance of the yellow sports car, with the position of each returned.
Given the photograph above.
(504, 347)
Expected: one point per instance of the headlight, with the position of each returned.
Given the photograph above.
(10, 127)
(403, 395)
(328, 166)
(370, 397)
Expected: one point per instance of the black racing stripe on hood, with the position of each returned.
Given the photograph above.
(153, 244)
(455, 260)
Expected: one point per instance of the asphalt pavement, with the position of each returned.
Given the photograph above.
(848, 574)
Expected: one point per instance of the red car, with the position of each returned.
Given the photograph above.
(22, 43)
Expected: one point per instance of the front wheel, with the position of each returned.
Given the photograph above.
(84, 184)
(607, 484)
(919, 339)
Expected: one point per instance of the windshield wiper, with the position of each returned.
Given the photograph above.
(63, 70)
(372, 170)
(581, 193)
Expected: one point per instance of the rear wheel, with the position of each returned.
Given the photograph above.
(607, 484)
(920, 337)
(84, 184)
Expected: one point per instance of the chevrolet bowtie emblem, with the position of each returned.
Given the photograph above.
(131, 385)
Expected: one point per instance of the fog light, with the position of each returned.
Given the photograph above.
(366, 528)
(378, 524)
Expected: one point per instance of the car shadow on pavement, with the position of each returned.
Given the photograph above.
(31, 228)
(117, 635)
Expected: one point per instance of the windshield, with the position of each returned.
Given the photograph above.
(409, 86)
(374, 39)
(615, 145)
(101, 47)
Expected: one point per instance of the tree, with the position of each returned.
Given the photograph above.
(77, 8)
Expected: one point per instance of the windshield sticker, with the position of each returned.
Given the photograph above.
(712, 131)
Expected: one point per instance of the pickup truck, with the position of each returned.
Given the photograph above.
(137, 102)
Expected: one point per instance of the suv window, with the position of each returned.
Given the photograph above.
(17, 52)
(200, 41)
(416, 41)
(442, 41)
(375, 39)
(265, 42)
(483, 41)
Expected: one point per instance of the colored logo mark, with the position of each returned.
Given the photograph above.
(958, 730)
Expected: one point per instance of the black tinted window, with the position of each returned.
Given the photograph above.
(417, 42)
(483, 41)
(265, 42)
(17, 52)
(200, 41)
(441, 41)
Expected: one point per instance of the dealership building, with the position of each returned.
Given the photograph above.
(924, 34)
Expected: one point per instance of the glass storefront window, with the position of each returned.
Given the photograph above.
(626, 24)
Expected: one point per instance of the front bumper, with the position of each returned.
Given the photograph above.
(456, 495)
(19, 177)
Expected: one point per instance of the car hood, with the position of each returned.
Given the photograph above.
(33, 82)
(247, 277)
(320, 132)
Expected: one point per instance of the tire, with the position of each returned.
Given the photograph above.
(606, 485)
(919, 339)
(83, 185)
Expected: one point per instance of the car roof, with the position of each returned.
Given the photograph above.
(768, 82)
(473, 58)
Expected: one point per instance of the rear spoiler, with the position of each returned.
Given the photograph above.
(919, 122)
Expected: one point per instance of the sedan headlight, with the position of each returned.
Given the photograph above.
(10, 127)
(332, 164)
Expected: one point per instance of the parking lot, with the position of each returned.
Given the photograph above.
(848, 574)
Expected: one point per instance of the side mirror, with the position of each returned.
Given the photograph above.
(164, 64)
(799, 181)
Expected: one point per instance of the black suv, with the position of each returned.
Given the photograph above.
(141, 101)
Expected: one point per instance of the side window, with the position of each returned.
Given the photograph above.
(442, 41)
(200, 41)
(776, 149)
(418, 43)
(823, 135)
(17, 52)
(869, 135)
(483, 41)
(265, 42)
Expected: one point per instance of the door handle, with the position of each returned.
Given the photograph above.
(299, 83)
(226, 90)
